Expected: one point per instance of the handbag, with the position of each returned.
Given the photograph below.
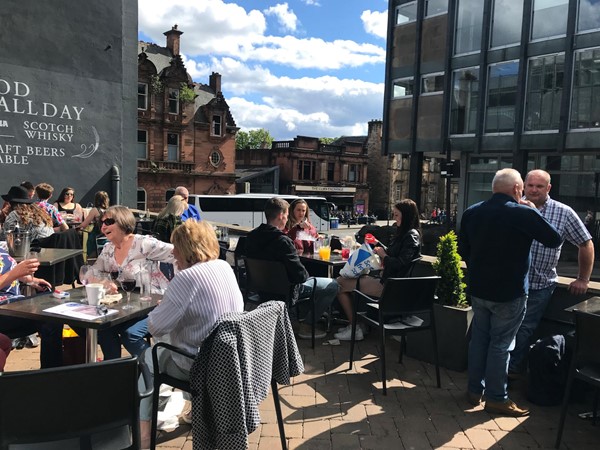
(361, 261)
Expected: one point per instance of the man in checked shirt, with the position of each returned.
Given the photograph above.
(542, 273)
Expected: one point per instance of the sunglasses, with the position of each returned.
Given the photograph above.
(108, 221)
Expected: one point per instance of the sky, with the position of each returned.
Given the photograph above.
(297, 68)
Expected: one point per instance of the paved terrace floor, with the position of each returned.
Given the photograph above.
(329, 407)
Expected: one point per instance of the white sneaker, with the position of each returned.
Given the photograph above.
(360, 325)
(346, 334)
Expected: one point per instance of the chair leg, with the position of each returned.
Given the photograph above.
(402, 348)
(563, 409)
(382, 358)
(154, 425)
(436, 357)
(275, 392)
(312, 331)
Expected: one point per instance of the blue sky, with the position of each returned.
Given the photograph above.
(301, 67)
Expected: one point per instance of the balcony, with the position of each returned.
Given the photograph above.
(148, 166)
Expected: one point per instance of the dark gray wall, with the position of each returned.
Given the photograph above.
(68, 89)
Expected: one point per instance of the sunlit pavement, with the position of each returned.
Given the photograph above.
(329, 407)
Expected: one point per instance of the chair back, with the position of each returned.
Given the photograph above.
(407, 295)
(233, 372)
(269, 279)
(587, 335)
(72, 406)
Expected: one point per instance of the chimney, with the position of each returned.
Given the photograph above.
(173, 39)
(215, 82)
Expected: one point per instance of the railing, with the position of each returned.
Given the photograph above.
(165, 166)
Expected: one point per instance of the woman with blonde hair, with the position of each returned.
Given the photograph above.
(203, 290)
(298, 226)
(169, 218)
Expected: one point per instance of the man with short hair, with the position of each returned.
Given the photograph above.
(29, 186)
(542, 275)
(191, 211)
(495, 240)
(269, 242)
(44, 191)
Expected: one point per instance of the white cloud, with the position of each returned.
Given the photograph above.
(375, 22)
(311, 2)
(214, 27)
(286, 18)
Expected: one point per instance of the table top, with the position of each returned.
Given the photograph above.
(334, 260)
(591, 305)
(52, 256)
(33, 308)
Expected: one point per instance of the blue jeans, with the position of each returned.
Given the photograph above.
(51, 334)
(493, 331)
(537, 301)
(326, 292)
(131, 334)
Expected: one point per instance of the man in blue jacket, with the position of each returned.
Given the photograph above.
(495, 242)
(191, 212)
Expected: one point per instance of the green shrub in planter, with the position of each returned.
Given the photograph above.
(451, 288)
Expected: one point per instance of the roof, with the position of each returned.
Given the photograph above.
(343, 140)
(248, 173)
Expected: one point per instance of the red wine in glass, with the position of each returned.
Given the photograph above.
(128, 286)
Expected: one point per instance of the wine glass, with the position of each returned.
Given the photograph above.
(142, 214)
(115, 273)
(84, 270)
(128, 285)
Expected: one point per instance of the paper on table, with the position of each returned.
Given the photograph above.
(79, 311)
(304, 236)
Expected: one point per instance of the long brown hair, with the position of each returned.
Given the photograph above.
(30, 213)
(410, 217)
(292, 222)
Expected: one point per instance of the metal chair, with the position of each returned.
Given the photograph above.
(400, 310)
(585, 363)
(259, 324)
(268, 280)
(73, 407)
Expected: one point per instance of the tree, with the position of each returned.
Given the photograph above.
(326, 140)
(260, 138)
(450, 288)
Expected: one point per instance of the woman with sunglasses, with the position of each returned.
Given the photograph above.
(123, 253)
(66, 203)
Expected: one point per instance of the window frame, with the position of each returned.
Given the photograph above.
(143, 95)
(405, 6)
(430, 75)
(171, 146)
(145, 142)
(214, 124)
(173, 103)
(593, 87)
(394, 84)
(477, 71)
(219, 159)
(487, 97)
(545, 38)
(445, 11)
(305, 165)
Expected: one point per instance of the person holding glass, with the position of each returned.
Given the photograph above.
(298, 227)
(66, 204)
(396, 259)
(127, 253)
(203, 290)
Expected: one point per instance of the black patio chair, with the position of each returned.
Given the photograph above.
(405, 306)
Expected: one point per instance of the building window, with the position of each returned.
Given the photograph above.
(172, 147)
(142, 199)
(435, 7)
(216, 129)
(506, 23)
(353, 172)
(585, 105)
(406, 13)
(307, 170)
(215, 158)
(173, 101)
(544, 91)
(142, 144)
(330, 171)
(465, 95)
(142, 96)
(469, 21)
(403, 87)
(587, 16)
(501, 97)
(432, 83)
(549, 18)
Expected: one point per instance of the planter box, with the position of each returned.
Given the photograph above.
(452, 327)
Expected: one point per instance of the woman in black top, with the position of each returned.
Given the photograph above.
(396, 261)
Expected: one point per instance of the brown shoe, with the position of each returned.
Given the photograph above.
(474, 399)
(506, 408)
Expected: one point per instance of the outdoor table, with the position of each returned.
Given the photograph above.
(591, 306)
(33, 308)
(318, 267)
(50, 257)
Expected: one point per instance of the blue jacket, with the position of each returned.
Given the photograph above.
(191, 213)
(495, 241)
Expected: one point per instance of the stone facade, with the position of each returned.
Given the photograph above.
(186, 133)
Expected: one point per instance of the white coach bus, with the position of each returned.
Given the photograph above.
(247, 210)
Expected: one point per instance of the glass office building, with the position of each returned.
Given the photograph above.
(497, 83)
